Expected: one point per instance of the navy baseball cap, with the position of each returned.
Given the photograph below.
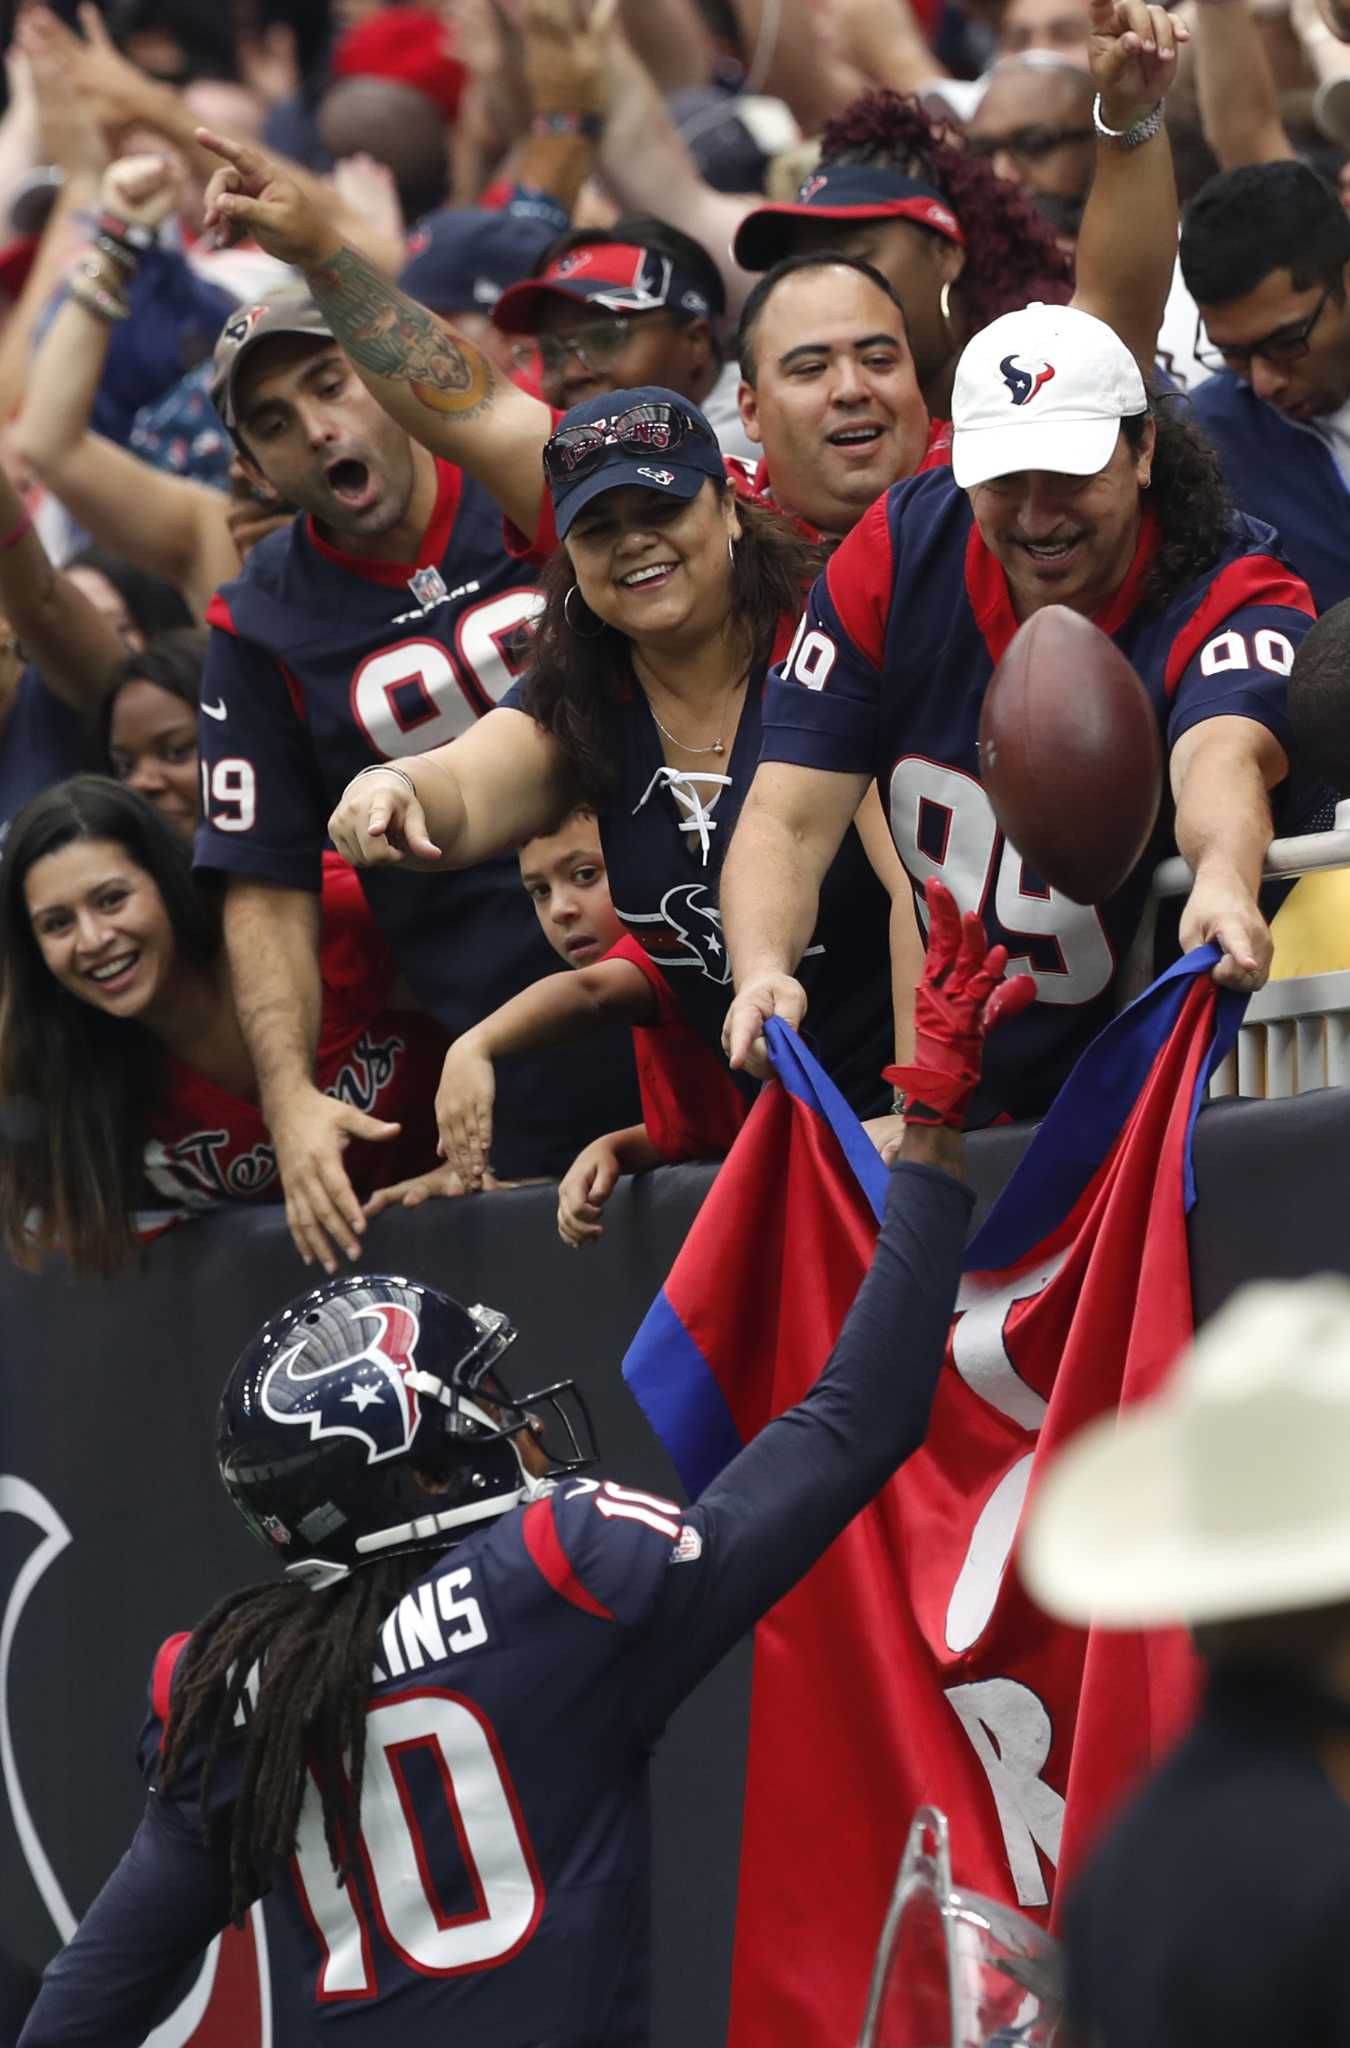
(649, 436)
(619, 277)
(462, 258)
(846, 192)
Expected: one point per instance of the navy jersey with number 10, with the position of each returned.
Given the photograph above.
(887, 676)
(500, 1898)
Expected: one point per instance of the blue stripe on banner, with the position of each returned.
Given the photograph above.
(1086, 1117)
(803, 1076)
(674, 1386)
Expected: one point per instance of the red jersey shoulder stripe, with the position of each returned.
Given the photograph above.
(218, 614)
(860, 577)
(545, 1547)
(161, 1677)
(1250, 580)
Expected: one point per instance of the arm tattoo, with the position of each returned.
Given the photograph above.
(389, 334)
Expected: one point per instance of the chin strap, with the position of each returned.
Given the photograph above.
(960, 999)
(698, 818)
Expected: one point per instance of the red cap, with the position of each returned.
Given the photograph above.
(410, 45)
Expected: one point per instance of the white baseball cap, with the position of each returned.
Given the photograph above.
(1223, 1496)
(1044, 388)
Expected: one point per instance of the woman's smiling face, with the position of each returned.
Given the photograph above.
(101, 926)
(655, 567)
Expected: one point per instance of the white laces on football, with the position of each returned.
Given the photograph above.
(698, 818)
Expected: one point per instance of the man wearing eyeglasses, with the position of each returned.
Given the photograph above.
(615, 309)
(1265, 252)
(1034, 125)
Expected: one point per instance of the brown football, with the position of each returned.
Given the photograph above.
(1070, 754)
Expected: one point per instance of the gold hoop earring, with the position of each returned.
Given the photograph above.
(945, 302)
(573, 627)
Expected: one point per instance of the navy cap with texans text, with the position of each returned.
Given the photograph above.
(285, 312)
(656, 454)
(848, 193)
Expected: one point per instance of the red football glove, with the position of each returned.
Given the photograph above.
(960, 999)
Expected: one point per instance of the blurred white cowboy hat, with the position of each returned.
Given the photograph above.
(1228, 1494)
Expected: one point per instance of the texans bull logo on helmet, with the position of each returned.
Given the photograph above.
(368, 1394)
(1025, 380)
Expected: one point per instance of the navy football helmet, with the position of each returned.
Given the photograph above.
(369, 1418)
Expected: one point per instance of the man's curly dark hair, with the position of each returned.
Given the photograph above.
(1012, 256)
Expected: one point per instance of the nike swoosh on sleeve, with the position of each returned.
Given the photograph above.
(215, 710)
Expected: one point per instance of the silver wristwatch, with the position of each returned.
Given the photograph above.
(1142, 130)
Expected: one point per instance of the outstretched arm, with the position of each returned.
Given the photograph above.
(647, 165)
(1127, 244)
(75, 649)
(490, 790)
(782, 1501)
(166, 1899)
(787, 834)
(562, 1009)
(1235, 86)
(180, 530)
(438, 386)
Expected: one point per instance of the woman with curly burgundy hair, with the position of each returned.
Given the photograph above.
(958, 245)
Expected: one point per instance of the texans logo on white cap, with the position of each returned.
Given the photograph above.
(1024, 382)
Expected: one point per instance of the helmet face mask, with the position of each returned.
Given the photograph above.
(368, 1418)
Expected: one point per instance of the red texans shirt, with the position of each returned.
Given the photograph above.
(208, 1146)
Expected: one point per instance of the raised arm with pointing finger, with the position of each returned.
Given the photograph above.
(437, 385)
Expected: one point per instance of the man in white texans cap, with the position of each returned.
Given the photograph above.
(1068, 486)
(1218, 1909)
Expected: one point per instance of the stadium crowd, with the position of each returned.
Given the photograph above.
(509, 510)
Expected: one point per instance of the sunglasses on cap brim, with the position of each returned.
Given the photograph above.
(654, 428)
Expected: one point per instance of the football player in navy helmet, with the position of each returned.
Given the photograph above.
(430, 1741)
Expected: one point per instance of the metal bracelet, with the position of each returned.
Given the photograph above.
(388, 768)
(1143, 130)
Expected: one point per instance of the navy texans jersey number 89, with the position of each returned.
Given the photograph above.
(944, 825)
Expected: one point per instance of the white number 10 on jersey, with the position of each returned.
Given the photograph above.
(499, 1869)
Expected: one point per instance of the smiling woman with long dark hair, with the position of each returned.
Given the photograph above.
(122, 1065)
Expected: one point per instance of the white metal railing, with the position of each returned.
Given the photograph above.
(1295, 1036)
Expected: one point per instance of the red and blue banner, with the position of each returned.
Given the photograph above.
(909, 1665)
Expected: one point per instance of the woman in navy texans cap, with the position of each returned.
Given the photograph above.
(664, 608)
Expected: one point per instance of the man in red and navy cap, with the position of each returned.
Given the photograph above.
(610, 309)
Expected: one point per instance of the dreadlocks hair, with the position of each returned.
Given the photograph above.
(314, 1653)
(582, 671)
(1188, 493)
(1012, 256)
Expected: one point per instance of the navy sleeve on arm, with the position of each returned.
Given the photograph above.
(165, 1901)
(821, 705)
(263, 812)
(782, 1501)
